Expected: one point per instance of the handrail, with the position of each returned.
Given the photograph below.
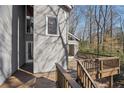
(107, 58)
(83, 76)
(64, 80)
(102, 55)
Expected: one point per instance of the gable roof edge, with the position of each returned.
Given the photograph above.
(67, 8)
(74, 36)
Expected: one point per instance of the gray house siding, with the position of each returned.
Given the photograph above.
(49, 50)
(5, 42)
(11, 22)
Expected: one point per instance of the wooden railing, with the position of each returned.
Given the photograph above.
(109, 66)
(64, 79)
(102, 67)
(90, 64)
(108, 62)
(83, 77)
(100, 64)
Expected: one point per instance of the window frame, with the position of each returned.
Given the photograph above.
(47, 17)
(26, 51)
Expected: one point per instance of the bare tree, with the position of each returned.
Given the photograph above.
(97, 20)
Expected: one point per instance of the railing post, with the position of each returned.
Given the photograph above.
(77, 70)
(98, 68)
(65, 83)
(111, 81)
(101, 68)
(118, 65)
(57, 77)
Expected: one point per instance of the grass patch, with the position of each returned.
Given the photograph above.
(88, 50)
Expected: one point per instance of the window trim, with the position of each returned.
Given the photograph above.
(26, 51)
(47, 26)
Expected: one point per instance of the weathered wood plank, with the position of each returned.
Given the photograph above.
(107, 58)
(64, 79)
(105, 73)
(85, 75)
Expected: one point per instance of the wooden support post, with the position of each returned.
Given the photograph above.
(78, 72)
(111, 81)
(57, 78)
(119, 65)
(101, 68)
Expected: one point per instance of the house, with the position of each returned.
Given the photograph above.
(33, 34)
(73, 45)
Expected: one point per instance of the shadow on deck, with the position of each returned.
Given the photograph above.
(24, 78)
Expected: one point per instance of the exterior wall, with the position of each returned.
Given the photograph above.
(49, 50)
(11, 22)
(5, 42)
(76, 45)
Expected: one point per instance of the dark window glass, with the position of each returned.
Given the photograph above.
(29, 26)
(71, 50)
(52, 25)
(30, 53)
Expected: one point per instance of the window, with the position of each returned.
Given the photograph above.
(29, 51)
(29, 25)
(71, 50)
(51, 26)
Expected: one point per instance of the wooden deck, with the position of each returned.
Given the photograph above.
(99, 68)
(24, 78)
(102, 67)
(96, 68)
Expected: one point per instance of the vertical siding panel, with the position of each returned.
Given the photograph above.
(48, 50)
(5, 42)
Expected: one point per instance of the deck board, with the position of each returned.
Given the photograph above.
(24, 79)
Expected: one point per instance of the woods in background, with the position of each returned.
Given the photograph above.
(100, 28)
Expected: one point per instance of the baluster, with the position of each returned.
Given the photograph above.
(88, 65)
(89, 84)
(65, 83)
(86, 81)
(84, 78)
(77, 69)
